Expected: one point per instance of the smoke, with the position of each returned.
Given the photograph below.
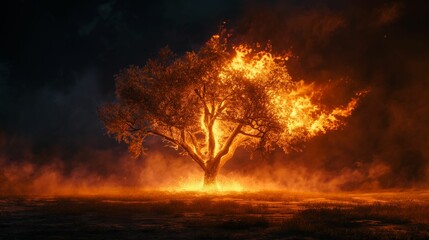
(377, 46)
(51, 141)
(92, 171)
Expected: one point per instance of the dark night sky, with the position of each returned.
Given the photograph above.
(58, 58)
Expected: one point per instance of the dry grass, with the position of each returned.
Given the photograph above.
(159, 215)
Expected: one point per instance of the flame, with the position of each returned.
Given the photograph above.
(243, 96)
(295, 109)
(218, 132)
(294, 105)
(252, 65)
(195, 184)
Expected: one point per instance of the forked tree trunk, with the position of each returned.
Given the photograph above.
(213, 165)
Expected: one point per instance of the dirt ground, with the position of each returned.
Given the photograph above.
(193, 215)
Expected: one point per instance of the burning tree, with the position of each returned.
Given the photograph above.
(210, 102)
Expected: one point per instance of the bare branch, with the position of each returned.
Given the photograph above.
(194, 155)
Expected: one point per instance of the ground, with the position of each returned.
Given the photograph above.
(193, 215)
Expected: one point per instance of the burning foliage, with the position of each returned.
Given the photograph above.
(210, 102)
(52, 142)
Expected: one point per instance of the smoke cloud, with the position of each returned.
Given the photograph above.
(376, 46)
(52, 142)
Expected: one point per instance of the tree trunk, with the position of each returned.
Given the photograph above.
(210, 176)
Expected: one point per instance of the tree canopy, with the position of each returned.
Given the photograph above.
(209, 102)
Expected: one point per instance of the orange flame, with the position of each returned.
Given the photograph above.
(295, 109)
(294, 106)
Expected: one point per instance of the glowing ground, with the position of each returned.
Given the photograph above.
(193, 215)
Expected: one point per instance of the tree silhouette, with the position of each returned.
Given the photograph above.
(209, 102)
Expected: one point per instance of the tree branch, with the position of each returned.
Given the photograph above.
(231, 152)
(195, 143)
(131, 126)
(225, 148)
(172, 140)
(211, 143)
(184, 145)
(206, 108)
(251, 135)
(194, 155)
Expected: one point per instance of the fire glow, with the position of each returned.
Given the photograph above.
(209, 103)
